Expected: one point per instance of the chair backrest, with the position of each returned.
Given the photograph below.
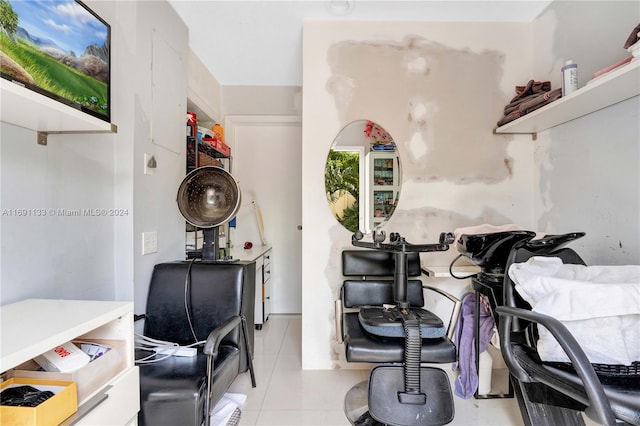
(358, 293)
(372, 263)
(214, 293)
(371, 289)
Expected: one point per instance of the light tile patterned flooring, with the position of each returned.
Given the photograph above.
(288, 395)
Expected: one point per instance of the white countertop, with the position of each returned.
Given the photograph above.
(443, 271)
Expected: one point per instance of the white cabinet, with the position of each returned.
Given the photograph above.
(266, 289)
(383, 171)
(262, 257)
(32, 327)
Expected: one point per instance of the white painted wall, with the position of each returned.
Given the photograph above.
(97, 258)
(458, 191)
(587, 174)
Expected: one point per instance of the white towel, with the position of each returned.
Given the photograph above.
(222, 412)
(599, 305)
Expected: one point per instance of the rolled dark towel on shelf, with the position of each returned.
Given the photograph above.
(540, 101)
(509, 118)
(529, 97)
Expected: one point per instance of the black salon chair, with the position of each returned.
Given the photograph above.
(556, 393)
(191, 302)
(401, 337)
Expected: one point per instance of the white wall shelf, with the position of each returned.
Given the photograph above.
(615, 86)
(26, 108)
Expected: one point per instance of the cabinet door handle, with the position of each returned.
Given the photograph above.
(87, 407)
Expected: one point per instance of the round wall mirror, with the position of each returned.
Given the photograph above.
(362, 176)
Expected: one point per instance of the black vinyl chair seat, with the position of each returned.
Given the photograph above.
(173, 390)
(361, 346)
(383, 321)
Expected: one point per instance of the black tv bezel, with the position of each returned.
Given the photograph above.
(66, 101)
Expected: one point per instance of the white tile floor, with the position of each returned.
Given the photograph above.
(287, 395)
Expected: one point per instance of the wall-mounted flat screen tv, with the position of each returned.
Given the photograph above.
(59, 48)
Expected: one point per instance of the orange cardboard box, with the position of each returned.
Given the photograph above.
(53, 411)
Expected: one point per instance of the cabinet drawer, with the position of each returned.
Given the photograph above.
(121, 405)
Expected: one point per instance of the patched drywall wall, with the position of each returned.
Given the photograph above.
(438, 89)
(428, 85)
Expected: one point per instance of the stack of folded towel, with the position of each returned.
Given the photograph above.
(533, 95)
(599, 305)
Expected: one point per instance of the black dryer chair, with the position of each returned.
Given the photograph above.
(556, 393)
(214, 302)
(400, 391)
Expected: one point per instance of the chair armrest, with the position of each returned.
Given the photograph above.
(593, 387)
(216, 336)
(211, 350)
(455, 312)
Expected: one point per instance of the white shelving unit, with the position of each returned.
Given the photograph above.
(26, 108)
(615, 86)
(34, 326)
(382, 186)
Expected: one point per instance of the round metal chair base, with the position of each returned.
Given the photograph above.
(356, 407)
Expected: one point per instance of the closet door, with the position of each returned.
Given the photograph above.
(267, 162)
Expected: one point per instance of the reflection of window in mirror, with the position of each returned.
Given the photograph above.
(362, 176)
(343, 181)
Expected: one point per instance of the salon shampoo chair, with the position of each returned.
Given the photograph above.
(383, 322)
(189, 302)
(555, 393)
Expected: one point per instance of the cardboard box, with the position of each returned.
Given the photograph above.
(63, 358)
(53, 411)
(89, 378)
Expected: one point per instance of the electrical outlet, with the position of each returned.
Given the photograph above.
(148, 170)
(149, 242)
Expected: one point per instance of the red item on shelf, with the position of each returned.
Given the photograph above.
(218, 145)
(192, 124)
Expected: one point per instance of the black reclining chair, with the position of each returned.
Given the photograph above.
(214, 302)
(401, 391)
(556, 393)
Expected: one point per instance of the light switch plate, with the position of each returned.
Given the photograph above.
(149, 242)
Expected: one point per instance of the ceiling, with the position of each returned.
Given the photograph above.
(259, 43)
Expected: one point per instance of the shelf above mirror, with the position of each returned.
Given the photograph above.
(25, 108)
(615, 86)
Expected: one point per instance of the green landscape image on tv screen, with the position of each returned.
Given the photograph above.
(58, 48)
